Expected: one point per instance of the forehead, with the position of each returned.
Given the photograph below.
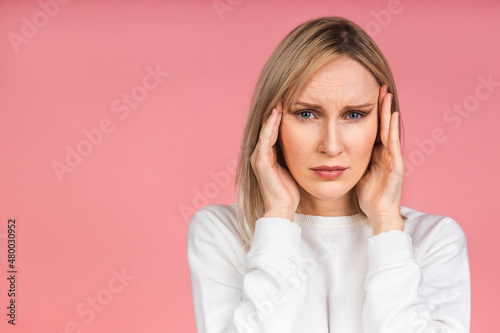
(343, 79)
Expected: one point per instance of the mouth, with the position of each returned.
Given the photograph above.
(332, 173)
(329, 168)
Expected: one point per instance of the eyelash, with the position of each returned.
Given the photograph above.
(362, 114)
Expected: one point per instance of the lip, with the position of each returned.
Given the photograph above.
(329, 172)
(328, 168)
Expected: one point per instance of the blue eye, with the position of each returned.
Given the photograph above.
(360, 115)
(302, 112)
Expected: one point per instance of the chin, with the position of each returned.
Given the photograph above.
(328, 190)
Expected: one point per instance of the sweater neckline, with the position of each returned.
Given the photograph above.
(330, 221)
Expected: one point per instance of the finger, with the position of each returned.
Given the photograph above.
(385, 119)
(394, 144)
(276, 125)
(382, 93)
(264, 145)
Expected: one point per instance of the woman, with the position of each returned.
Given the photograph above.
(317, 240)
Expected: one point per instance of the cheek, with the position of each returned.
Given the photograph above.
(286, 140)
(293, 144)
(363, 140)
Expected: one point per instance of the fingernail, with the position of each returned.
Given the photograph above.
(273, 112)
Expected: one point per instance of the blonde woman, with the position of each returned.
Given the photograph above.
(317, 240)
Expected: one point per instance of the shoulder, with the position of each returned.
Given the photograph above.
(219, 216)
(432, 232)
(419, 222)
(217, 224)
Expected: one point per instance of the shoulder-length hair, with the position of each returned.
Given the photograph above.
(301, 53)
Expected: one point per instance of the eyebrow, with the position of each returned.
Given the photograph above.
(315, 106)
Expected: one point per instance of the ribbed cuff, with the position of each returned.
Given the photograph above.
(390, 248)
(277, 235)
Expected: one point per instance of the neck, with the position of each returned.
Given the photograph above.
(310, 205)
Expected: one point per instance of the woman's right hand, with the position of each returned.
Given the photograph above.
(279, 189)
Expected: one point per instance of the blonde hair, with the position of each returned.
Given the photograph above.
(301, 53)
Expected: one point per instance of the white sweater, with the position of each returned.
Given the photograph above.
(328, 274)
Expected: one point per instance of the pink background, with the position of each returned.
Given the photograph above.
(125, 206)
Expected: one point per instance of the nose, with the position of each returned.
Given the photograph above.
(331, 140)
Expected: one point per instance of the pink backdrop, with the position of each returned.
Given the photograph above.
(119, 119)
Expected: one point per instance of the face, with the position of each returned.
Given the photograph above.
(328, 126)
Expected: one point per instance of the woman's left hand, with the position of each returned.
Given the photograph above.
(379, 189)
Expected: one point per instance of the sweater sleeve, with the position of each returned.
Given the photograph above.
(258, 296)
(431, 295)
